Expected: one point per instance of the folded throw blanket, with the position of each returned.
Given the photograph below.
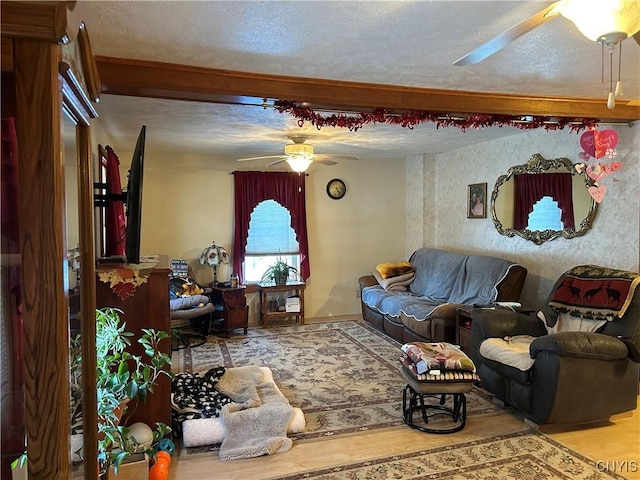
(397, 283)
(430, 357)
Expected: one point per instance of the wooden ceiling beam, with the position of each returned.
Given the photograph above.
(140, 78)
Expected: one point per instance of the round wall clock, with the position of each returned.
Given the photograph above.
(336, 189)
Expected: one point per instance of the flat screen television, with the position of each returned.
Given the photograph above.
(134, 200)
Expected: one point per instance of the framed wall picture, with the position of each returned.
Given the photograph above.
(477, 200)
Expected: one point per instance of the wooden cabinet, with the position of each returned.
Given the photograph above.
(148, 307)
(273, 302)
(231, 310)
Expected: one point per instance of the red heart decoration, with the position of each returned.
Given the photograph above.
(588, 143)
(595, 143)
(603, 140)
(615, 166)
(597, 193)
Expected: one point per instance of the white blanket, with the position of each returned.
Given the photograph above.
(256, 423)
(211, 431)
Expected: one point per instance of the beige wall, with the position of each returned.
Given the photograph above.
(391, 208)
(188, 203)
(612, 242)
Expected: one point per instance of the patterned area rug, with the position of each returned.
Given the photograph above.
(523, 455)
(345, 376)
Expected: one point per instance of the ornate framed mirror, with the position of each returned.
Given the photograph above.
(542, 200)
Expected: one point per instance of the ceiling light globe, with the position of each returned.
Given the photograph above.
(604, 21)
(299, 163)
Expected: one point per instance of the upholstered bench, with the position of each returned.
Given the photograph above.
(448, 372)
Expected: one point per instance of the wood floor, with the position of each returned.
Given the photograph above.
(617, 441)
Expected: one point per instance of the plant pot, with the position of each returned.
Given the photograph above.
(134, 468)
(280, 278)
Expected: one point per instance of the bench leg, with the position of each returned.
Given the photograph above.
(412, 401)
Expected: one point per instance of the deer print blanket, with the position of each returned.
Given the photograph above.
(595, 292)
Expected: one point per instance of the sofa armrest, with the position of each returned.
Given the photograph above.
(510, 287)
(595, 346)
(367, 281)
(499, 323)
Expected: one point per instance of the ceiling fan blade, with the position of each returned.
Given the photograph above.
(326, 162)
(276, 162)
(505, 38)
(636, 36)
(268, 157)
(328, 156)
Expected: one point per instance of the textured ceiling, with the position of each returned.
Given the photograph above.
(389, 42)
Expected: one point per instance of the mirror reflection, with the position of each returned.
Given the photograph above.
(543, 200)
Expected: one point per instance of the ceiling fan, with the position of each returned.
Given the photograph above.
(604, 21)
(299, 155)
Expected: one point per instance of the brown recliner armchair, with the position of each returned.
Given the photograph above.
(576, 376)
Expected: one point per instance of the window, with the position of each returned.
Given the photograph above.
(545, 215)
(288, 190)
(270, 238)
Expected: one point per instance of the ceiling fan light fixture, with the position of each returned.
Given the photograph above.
(300, 149)
(299, 163)
(603, 21)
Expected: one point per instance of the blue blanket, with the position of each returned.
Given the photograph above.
(441, 278)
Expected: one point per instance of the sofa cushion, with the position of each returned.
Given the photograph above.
(512, 351)
(394, 303)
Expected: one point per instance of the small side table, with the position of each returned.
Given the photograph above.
(463, 327)
(235, 311)
(273, 302)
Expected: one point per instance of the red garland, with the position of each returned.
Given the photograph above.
(414, 117)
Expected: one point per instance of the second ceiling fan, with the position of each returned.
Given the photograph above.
(300, 155)
(604, 21)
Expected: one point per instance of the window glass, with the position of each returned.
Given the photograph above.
(270, 238)
(545, 215)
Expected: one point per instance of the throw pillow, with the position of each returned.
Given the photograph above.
(387, 270)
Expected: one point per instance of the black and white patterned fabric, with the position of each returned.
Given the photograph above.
(194, 396)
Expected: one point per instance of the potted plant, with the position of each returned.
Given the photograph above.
(279, 273)
(122, 379)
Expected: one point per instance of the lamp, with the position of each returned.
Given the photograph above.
(607, 22)
(73, 260)
(214, 255)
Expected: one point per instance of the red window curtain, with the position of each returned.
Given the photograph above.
(530, 188)
(115, 220)
(286, 188)
(12, 368)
